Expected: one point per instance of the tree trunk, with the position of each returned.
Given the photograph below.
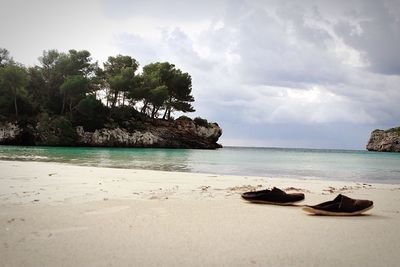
(114, 100)
(63, 104)
(165, 113)
(169, 113)
(107, 97)
(15, 105)
(156, 111)
(143, 110)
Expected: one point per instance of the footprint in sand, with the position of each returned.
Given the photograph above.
(52, 232)
(107, 210)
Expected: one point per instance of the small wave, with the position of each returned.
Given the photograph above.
(24, 157)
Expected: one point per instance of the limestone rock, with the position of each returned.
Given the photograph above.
(115, 137)
(155, 133)
(162, 134)
(384, 141)
(9, 132)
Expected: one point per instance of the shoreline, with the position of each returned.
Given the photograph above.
(61, 214)
(269, 176)
(370, 167)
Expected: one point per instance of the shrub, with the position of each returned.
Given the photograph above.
(396, 130)
(91, 114)
(184, 118)
(133, 125)
(201, 122)
(55, 131)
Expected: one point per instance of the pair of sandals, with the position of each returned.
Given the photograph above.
(340, 206)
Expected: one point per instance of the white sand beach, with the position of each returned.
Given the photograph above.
(62, 215)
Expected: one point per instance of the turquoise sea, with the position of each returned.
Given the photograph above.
(349, 165)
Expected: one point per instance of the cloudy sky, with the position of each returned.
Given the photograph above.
(316, 74)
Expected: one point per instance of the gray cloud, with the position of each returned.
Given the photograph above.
(283, 50)
(136, 47)
(374, 30)
(176, 10)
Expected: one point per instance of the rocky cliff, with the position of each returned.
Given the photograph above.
(9, 133)
(385, 141)
(158, 133)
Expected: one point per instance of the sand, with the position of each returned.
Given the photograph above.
(62, 215)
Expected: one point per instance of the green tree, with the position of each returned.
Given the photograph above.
(73, 89)
(157, 98)
(92, 113)
(180, 93)
(55, 130)
(37, 89)
(78, 63)
(177, 83)
(4, 57)
(149, 80)
(61, 70)
(13, 82)
(69, 88)
(119, 74)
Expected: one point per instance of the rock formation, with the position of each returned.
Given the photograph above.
(385, 141)
(9, 133)
(158, 133)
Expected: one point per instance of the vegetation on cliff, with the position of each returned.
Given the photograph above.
(393, 130)
(67, 90)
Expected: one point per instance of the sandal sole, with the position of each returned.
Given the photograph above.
(330, 213)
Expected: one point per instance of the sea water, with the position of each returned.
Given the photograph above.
(347, 165)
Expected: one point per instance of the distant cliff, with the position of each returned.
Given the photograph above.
(385, 140)
(180, 133)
